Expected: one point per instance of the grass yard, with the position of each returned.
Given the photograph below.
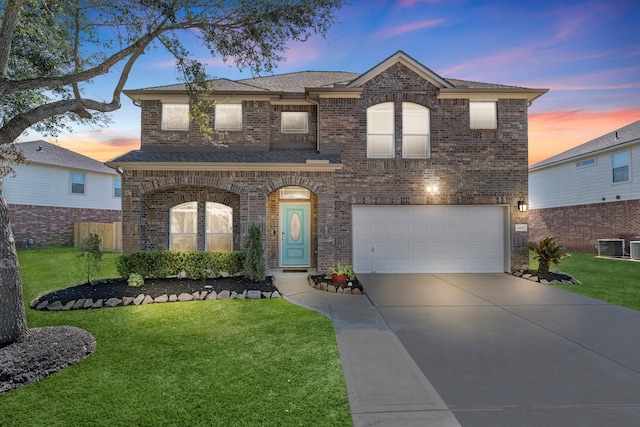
(614, 281)
(204, 363)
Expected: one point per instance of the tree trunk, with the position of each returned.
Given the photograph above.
(13, 321)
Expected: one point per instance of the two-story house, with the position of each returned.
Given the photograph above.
(55, 189)
(396, 169)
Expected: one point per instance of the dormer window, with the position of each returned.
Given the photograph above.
(483, 115)
(175, 116)
(228, 117)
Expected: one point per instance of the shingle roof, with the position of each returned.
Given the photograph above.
(224, 155)
(46, 153)
(624, 135)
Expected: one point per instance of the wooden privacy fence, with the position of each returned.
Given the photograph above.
(110, 234)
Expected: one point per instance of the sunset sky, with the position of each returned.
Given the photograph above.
(586, 52)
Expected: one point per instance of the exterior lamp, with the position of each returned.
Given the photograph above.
(522, 206)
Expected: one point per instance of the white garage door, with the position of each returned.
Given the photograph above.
(428, 239)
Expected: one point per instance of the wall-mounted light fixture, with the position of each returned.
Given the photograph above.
(432, 188)
(522, 206)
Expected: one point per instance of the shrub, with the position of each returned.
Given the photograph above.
(194, 264)
(547, 252)
(90, 251)
(135, 280)
(254, 267)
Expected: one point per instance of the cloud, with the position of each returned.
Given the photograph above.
(407, 28)
(553, 132)
(100, 150)
(410, 3)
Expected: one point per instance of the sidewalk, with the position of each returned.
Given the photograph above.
(384, 385)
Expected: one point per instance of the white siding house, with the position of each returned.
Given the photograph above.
(55, 189)
(588, 193)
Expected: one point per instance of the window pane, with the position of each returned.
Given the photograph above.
(184, 218)
(117, 187)
(183, 242)
(483, 115)
(228, 117)
(219, 218)
(175, 116)
(415, 146)
(218, 242)
(380, 145)
(621, 174)
(415, 118)
(380, 118)
(77, 183)
(294, 122)
(620, 159)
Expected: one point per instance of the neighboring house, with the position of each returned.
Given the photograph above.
(589, 192)
(55, 189)
(396, 169)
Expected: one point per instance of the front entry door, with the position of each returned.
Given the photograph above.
(294, 234)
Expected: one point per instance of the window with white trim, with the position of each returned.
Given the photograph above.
(380, 131)
(228, 117)
(183, 227)
(483, 115)
(219, 227)
(586, 163)
(294, 122)
(415, 131)
(175, 116)
(78, 182)
(620, 166)
(117, 187)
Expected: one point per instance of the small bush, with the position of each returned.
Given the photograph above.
(547, 252)
(90, 251)
(194, 264)
(254, 267)
(135, 280)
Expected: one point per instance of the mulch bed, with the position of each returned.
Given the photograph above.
(118, 288)
(324, 281)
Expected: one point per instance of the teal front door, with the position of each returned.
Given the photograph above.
(294, 233)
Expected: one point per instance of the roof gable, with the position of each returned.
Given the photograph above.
(623, 136)
(45, 153)
(409, 62)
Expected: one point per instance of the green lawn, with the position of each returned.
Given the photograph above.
(614, 281)
(204, 363)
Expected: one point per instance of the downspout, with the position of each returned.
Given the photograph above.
(317, 104)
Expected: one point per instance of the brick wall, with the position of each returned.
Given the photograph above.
(51, 226)
(578, 228)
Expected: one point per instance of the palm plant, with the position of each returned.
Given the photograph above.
(547, 252)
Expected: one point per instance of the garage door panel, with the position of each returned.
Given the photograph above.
(429, 239)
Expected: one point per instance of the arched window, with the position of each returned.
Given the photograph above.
(183, 228)
(219, 227)
(380, 131)
(415, 131)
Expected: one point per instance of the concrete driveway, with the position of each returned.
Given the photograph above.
(503, 351)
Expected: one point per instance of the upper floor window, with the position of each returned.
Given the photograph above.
(585, 163)
(228, 117)
(483, 115)
(294, 122)
(117, 187)
(219, 227)
(415, 130)
(380, 130)
(620, 166)
(175, 116)
(77, 183)
(183, 227)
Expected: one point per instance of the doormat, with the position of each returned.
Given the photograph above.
(294, 270)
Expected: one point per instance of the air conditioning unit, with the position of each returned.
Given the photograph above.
(611, 247)
(634, 248)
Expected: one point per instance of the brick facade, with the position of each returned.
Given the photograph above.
(578, 228)
(51, 226)
(470, 167)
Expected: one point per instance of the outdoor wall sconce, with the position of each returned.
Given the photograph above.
(432, 189)
(522, 206)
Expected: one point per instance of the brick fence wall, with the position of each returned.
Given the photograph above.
(51, 226)
(578, 228)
